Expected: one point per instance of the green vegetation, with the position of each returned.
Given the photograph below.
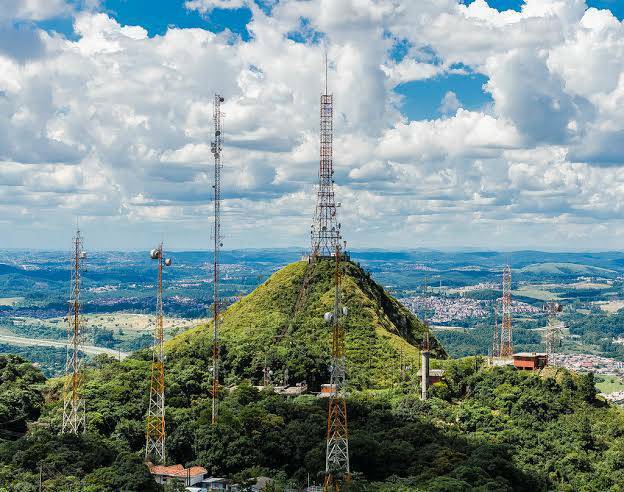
(486, 429)
(595, 331)
(51, 359)
(609, 384)
(554, 268)
(21, 398)
(281, 324)
(478, 339)
(482, 429)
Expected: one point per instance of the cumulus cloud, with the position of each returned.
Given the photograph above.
(205, 6)
(450, 103)
(115, 126)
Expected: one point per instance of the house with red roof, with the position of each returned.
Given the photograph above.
(188, 476)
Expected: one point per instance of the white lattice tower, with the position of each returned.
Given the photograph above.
(216, 148)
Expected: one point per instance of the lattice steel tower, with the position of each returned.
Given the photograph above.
(325, 232)
(506, 340)
(496, 335)
(216, 148)
(337, 471)
(74, 421)
(553, 331)
(155, 432)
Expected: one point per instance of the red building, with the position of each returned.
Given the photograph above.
(530, 361)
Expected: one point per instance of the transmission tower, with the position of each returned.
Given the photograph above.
(216, 148)
(553, 331)
(337, 472)
(74, 421)
(155, 433)
(325, 232)
(496, 335)
(506, 340)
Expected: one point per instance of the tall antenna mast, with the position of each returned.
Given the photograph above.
(325, 232)
(74, 421)
(216, 148)
(337, 471)
(506, 341)
(496, 335)
(155, 433)
(553, 331)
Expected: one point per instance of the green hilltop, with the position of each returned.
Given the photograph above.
(280, 324)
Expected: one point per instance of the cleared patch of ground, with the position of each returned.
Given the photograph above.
(536, 292)
(10, 301)
(447, 328)
(125, 326)
(590, 285)
(610, 306)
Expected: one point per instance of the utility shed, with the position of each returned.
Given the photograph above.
(188, 476)
(530, 361)
(435, 375)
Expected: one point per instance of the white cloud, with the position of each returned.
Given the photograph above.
(116, 126)
(450, 103)
(205, 6)
(33, 9)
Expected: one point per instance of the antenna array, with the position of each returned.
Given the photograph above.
(155, 433)
(216, 148)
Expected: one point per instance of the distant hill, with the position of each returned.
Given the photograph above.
(565, 269)
(281, 324)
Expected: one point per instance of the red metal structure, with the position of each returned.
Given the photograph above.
(155, 427)
(506, 339)
(337, 471)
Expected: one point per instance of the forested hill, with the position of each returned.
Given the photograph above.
(483, 429)
(280, 325)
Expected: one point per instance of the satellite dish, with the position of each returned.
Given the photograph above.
(168, 262)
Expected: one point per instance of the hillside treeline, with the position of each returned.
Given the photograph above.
(485, 429)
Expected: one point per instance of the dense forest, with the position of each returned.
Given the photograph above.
(491, 429)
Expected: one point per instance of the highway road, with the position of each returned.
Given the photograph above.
(89, 349)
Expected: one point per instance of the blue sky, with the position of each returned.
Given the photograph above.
(454, 127)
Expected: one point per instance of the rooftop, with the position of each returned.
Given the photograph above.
(176, 470)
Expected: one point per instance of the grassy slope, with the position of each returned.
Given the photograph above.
(564, 269)
(265, 326)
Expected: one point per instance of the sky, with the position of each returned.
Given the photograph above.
(492, 124)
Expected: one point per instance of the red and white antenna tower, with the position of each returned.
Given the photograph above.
(155, 433)
(325, 232)
(74, 421)
(216, 148)
(337, 471)
(506, 341)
